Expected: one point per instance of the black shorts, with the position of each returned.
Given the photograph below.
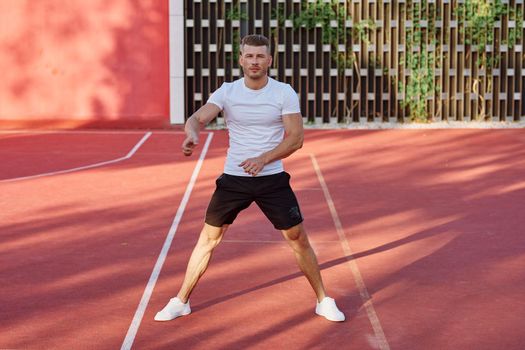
(272, 193)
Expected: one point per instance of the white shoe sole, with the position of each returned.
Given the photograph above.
(163, 319)
(330, 318)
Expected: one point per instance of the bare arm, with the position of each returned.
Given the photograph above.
(195, 123)
(293, 140)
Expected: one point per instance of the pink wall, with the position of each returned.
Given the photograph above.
(79, 63)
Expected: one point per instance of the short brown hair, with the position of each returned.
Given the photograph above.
(255, 40)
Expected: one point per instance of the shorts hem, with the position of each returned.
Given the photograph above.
(215, 224)
(288, 226)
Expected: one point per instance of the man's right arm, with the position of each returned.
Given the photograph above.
(195, 123)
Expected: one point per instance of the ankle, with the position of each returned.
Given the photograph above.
(183, 299)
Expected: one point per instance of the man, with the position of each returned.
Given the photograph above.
(265, 125)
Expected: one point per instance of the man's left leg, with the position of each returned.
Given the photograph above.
(278, 202)
(307, 261)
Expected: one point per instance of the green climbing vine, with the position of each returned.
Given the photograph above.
(422, 54)
(477, 19)
(419, 60)
(331, 17)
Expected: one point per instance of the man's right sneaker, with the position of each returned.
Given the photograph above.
(329, 310)
(175, 308)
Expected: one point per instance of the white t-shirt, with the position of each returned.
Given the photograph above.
(254, 121)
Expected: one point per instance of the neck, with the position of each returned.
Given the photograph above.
(255, 84)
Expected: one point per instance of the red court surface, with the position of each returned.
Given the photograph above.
(419, 235)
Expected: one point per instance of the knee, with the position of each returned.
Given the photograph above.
(297, 238)
(211, 236)
(209, 243)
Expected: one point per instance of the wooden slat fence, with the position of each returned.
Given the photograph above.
(357, 61)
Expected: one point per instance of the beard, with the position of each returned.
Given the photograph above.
(256, 75)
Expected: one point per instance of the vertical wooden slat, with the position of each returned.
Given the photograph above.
(461, 81)
(433, 15)
(393, 71)
(496, 78)
(297, 55)
(509, 66)
(472, 109)
(310, 65)
(332, 80)
(197, 55)
(522, 63)
(365, 78)
(450, 96)
(206, 54)
(502, 92)
(401, 52)
(355, 81)
(221, 64)
(512, 79)
(443, 61)
(325, 66)
(378, 42)
(520, 68)
(302, 89)
(339, 79)
(212, 39)
(447, 87)
(318, 81)
(453, 63)
(188, 39)
(383, 83)
(383, 79)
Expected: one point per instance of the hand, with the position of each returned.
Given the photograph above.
(189, 144)
(253, 166)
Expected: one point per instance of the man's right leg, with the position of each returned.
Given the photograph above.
(209, 238)
(232, 194)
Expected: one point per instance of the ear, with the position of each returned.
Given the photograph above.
(270, 60)
(240, 60)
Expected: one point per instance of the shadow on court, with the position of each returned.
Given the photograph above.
(432, 217)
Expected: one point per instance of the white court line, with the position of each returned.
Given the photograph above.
(365, 296)
(95, 165)
(135, 323)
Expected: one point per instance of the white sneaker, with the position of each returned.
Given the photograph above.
(329, 310)
(175, 308)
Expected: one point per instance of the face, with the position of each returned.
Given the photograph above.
(255, 61)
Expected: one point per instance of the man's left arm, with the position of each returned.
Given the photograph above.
(293, 140)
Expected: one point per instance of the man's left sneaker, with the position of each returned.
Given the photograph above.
(175, 308)
(329, 310)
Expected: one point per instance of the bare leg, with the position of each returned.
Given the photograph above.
(209, 238)
(306, 259)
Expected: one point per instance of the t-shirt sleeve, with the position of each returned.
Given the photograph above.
(291, 101)
(217, 98)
